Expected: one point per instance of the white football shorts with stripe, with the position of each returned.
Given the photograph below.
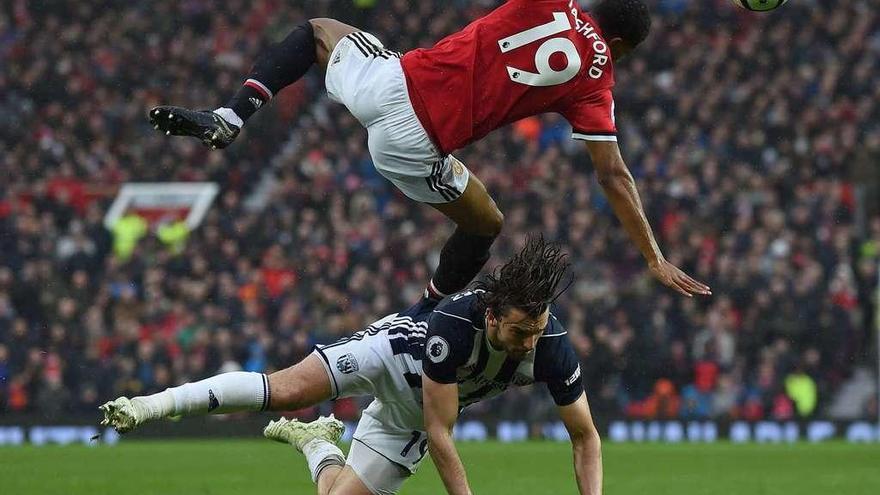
(365, 364)
(368, 79)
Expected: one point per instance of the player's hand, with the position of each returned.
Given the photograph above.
(677, 280)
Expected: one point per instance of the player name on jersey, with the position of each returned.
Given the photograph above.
(600, 48)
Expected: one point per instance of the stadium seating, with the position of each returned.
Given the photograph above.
(754, 140)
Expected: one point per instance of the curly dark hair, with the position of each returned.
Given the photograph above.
(629, 20)
(527, 282)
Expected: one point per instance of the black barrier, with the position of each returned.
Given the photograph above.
(22, 430)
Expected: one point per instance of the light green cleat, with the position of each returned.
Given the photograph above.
(299, 434)
(121, 415)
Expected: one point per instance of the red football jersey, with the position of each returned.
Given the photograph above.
(525, 58)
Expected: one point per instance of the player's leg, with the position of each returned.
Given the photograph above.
(299, 386)
(368, 468)
(302, 385)
(285, 63)
(403, 153)
(317, 441)
(311, 381)
(279, 66)
(341, 481)
(328, 32)
(364, 364)
(478, 222)
(457, 193)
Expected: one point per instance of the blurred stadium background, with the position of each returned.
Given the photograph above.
(755, 140)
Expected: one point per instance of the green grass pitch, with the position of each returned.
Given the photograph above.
(220, 467)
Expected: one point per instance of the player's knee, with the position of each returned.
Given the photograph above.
(337, 490)
(493, 222)
(301, 385)
(322, 24)
(322, 28)
(328, 31)
(285, 393)
(327, 34)
(487, 224)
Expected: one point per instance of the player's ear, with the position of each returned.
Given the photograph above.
(619, 47)
(490, 317)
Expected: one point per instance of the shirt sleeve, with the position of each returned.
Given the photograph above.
(557, 365)
(448, 345)
(592, 117)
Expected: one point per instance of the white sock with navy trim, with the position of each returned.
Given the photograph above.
(224, 393)
(319, 454)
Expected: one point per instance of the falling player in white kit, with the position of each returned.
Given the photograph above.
(422, 366)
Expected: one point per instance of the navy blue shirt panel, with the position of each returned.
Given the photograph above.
(450, 337)
(557, 364)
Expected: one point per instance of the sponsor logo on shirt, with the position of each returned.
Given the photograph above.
(573, 378)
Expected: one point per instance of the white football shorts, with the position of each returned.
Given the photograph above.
(389, 442)
(369, 80)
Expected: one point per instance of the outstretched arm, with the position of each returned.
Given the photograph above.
(620, 188)
(585, 445)
(441, 411)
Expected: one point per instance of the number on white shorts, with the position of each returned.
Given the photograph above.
(423, 446)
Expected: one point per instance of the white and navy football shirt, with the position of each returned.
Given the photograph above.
(456, 349)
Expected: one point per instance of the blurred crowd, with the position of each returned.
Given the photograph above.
(754, 140)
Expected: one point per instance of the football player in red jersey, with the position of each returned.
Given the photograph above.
(524, 58)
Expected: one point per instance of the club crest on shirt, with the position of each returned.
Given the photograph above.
(437, 349)
(347, 364)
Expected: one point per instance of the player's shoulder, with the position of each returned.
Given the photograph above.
(555, 328)
(554, 338)
(518, 14)
(461, 307)
(457, 316)
(554, 354)
(565, 5)
(452, 325)
(421, 309)
(554, 334)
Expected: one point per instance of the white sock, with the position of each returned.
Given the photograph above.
(156, 406)
(230, 116)
(225, 393)
(320, 454)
